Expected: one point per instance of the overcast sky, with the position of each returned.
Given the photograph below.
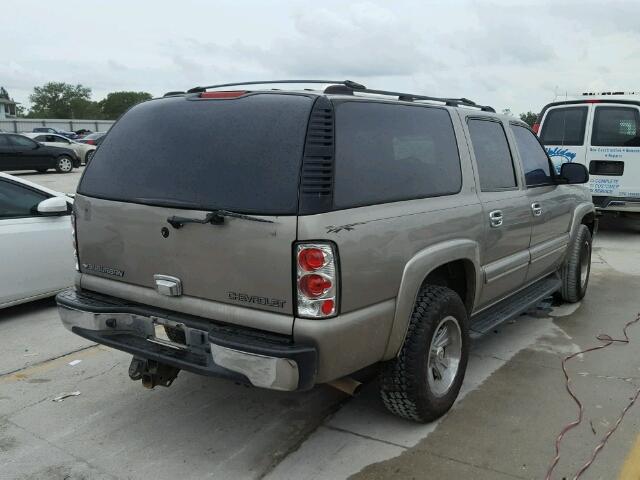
(507, 54)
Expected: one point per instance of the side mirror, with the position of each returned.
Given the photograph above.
(574, 173)
(53, 206)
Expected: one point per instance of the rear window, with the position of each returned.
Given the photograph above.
(616, 127)
(242, 154)
(493, 156)
(387, 153)
(564, 126)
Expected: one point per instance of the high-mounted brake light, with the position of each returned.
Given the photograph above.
(316, 280)
(536, 128)
(224, 94)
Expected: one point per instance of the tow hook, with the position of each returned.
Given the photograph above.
(152, 373)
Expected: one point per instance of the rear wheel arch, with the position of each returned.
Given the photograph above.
(442, 265)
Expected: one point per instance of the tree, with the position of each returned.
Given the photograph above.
(116, 103)
(62, 100)
(529, 118)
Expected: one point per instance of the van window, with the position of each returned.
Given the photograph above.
(564, 126)
(616, 127)
(242, 154)
(537, 168)
(388, 153)
(491, 149)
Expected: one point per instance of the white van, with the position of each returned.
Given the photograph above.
(601, 131)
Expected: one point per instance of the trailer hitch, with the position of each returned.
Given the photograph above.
(152, 373)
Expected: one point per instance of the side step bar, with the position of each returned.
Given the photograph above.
(513, 306)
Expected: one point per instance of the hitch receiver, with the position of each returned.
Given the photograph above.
(152, 373)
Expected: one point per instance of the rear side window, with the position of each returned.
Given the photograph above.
(493, 157)
(242, 154)
(564, 126)
(616, 127)
(537, 168)
(388, 153)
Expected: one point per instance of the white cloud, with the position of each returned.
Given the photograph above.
(507, 53)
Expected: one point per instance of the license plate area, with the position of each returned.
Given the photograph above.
(159, 335)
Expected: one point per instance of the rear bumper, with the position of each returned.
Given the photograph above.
(617, 204)
(243, 355)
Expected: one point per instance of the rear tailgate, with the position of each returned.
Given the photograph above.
(186, 157)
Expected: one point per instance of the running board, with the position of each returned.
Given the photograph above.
(513, 306)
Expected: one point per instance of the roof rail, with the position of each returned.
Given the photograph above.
(410, 97)
(349, 86)
(347, 83)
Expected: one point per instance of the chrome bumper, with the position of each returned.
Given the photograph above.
(256, 359)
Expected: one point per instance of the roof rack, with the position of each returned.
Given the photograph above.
(347, 83)
(410, 97)
(348, 87)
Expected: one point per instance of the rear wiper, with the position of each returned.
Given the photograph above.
(216, 217)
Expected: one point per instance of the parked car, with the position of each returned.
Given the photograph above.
(18, 152)
(290, 238)
(601, 132)
(83, 150)
(71, 135)
(83, 132)
(92, 138)
(35, 232)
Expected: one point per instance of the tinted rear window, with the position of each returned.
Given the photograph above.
(242, 154)
(616, 127)
(493, 156)
(564, 126)
(388, 153)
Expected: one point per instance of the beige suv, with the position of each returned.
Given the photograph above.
(288, 238)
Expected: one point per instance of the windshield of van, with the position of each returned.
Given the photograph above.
(240, 154)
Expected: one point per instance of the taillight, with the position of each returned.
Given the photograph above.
(91, 142)
(536, 128)
(75, 241)
(316, 280)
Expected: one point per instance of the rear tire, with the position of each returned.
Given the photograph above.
(423, 381)
(64, 164)
(577, 267)
(88, 156)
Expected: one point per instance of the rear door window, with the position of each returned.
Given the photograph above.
(493, 157)
(616, 127)
(564, 126)
(537, 168)
(242, 154)
(388, 153)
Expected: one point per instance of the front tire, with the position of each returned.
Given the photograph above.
(64, 164)
(577, 267)
(423, 381)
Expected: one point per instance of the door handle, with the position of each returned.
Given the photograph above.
(536, 209)
(495, 218)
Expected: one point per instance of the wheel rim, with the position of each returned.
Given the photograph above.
(585, 263)
(65, 164)
(445, 353)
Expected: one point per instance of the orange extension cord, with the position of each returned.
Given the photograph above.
(606, 341)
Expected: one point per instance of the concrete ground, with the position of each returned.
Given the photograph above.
(511, 408)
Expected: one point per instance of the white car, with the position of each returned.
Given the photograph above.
(601, 131)
(37, 257)
(84, 151)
